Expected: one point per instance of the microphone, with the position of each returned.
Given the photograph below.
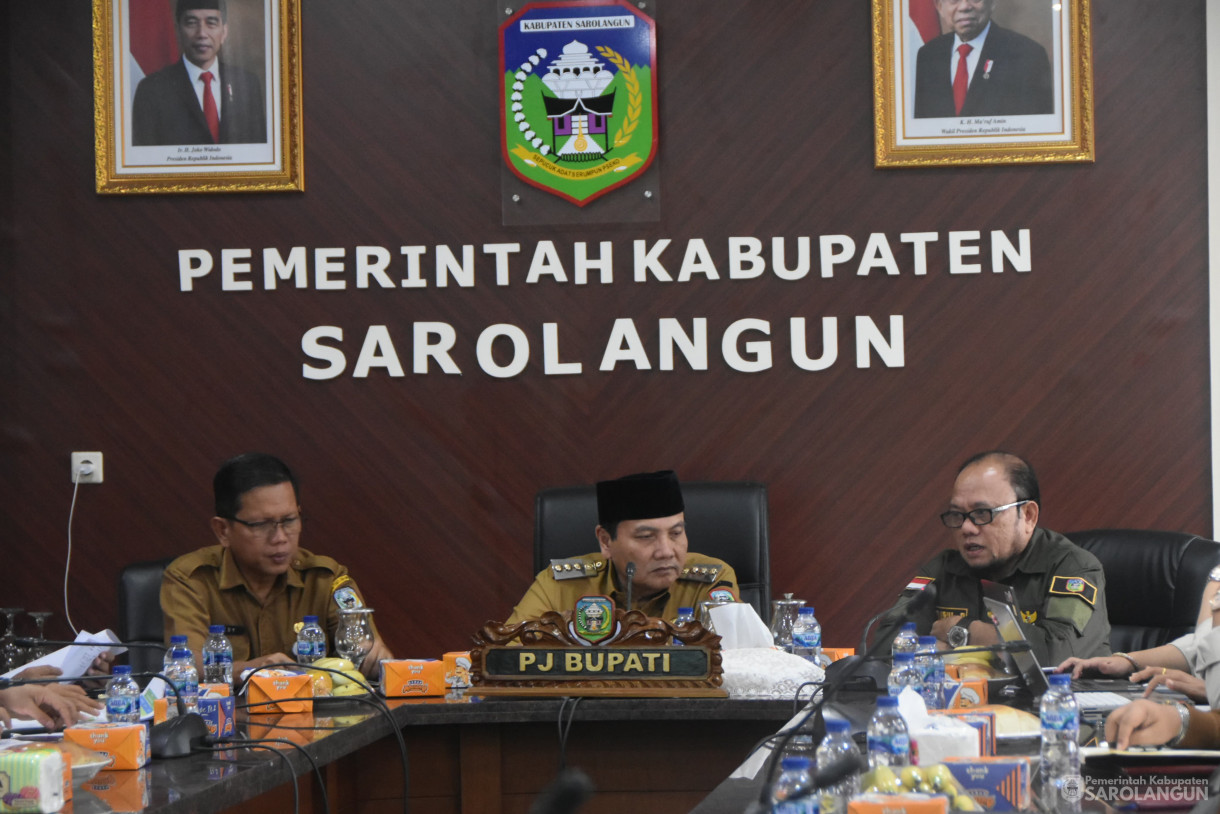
(565, 794)
(908, 607)
(630, 582)
(26, 642)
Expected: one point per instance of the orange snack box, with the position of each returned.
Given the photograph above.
(836, 653)
(125, 744)
(457, 669)
(899, 804)
(269, 693)
(403, 678)
(122, 791)
(972, 693)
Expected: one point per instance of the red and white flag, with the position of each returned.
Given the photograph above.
(926, 20)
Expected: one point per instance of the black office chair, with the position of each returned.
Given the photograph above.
(140, 617)
(727, 520)
(1154, 581)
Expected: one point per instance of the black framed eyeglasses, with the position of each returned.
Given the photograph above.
(266, 528)
(979, 517)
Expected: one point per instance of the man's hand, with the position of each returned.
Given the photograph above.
(1190, 686)
(42, 671)
(940, 628)
(101, 665)
(1142, 723)
(1106, 665)
(262, 661)
(379, 652)
(38, 702)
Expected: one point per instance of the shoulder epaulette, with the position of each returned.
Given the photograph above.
(576, 568)
(701, 573)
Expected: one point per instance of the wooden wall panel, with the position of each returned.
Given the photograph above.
(1094, 363)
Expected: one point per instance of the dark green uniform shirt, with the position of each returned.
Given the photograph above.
(1060, 590)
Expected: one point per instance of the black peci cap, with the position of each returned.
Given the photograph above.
(639, 497)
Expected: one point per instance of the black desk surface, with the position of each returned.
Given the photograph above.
(212, 782)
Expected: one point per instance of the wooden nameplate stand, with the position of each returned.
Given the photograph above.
(544, 657)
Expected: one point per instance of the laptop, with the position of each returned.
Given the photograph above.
(1096, 695)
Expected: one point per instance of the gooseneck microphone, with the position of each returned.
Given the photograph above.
(630, 583)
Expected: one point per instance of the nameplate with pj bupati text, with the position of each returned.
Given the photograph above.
(560, 664)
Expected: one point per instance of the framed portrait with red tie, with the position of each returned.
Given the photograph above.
(963, 82)
(197, 96)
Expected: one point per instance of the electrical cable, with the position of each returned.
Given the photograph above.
(564, 729)
(68, 561)
(292, 777)
(252, 742)
(373, 699)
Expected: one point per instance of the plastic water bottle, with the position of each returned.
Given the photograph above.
(906, 641)
(795, 781)
(807, 637)
(904, 674)
(889, 743)
(217, 657)
(311, 642)
(685, 617)
(836, 746)
(931, 668)
(183, 675)
(122, 696)
(1060, 741)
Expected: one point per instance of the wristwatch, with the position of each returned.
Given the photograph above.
(958, 636)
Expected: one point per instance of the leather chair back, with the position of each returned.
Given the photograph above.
(1154, 581)
(724, 519)
(140, 617)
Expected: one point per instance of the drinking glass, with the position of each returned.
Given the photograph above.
(12, 655)
(40, 622)
(354, 638)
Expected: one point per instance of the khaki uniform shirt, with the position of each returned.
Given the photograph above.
(1060, 590)
(557, 588)
(205, 588)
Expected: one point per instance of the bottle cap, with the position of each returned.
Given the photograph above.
(908, 626)
(311, 620)
(904, 658)
(220, 629)
(805, 611)
(686, 611)
(836, 725)
(121, 669)
(790, 764)
(1060, 679)
(887, 701)
(177, 640)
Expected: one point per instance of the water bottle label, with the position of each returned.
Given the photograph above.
(896, 745)
(807, 806)
(119, 707)
(807, 638)
(1060, 721)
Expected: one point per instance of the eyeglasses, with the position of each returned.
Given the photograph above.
(266, 528)
(979, 517)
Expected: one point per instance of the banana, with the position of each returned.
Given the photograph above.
(334, 663)
(348, 689)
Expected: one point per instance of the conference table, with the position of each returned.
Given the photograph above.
(465, 754)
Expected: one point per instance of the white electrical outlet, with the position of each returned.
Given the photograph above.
(91, 462)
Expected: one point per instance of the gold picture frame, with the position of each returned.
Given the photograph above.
(151, 144)
(1004, 115)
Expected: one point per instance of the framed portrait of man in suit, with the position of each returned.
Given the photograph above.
(962, 82)
(197, 95)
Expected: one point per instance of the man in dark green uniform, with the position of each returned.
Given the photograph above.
(641, 520)
(1060, 587)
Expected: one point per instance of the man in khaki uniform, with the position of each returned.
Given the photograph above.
(258, 582)
(641, 520)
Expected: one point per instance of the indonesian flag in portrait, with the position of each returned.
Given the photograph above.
(154, 42)
(923, 16)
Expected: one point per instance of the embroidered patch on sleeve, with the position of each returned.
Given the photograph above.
(1075, 586)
